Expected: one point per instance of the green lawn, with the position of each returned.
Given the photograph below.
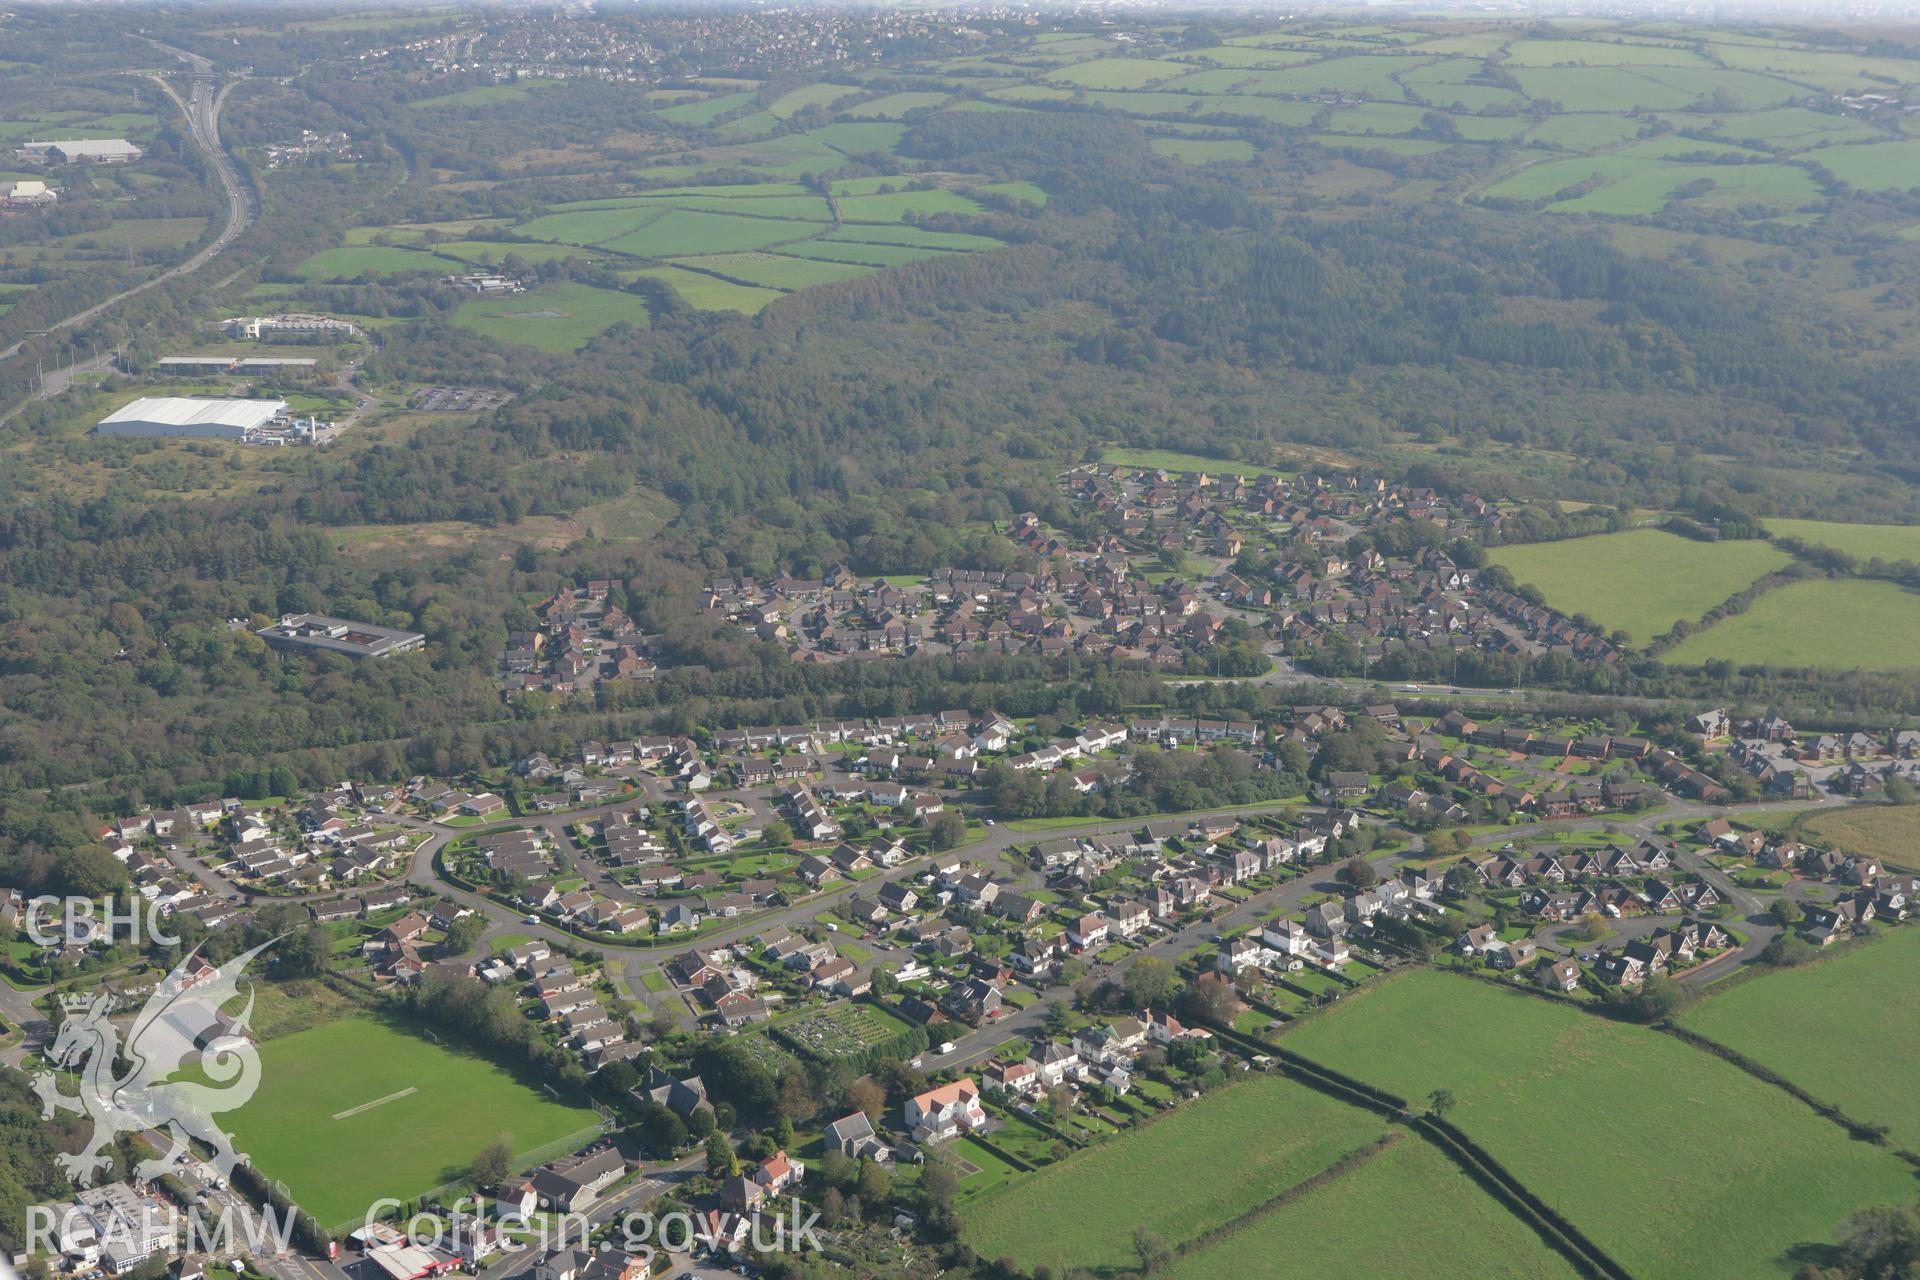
(1616, 1125)
(1194, 1169)
(1409, 1213)
(1861, 541)
(337, 1167)
(1841, 625)
(1843, 1029)
(1641, 581)
(556, 318)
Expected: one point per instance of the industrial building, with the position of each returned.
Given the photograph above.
(288, 328)
(297, 631)
(194, 364)
(27, 193)
(183, 418)
(237, 364)
(90, 150)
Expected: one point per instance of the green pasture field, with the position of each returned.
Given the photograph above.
(706, 110)
(1596, 1117)
(755, 124)
(1408, 1212)
(1748, 90)
(1540, 181)
(682, 234)
(1888, 832)
(583, 314)
(590, 226)
(1030, 192)
(492, 95)
(1031, 93)
(912, 237)
(859, 138)
(1833, 72)
(1839, 625)
(867, 255)
(1843, 1029)
(895, 105)
(1168, 460)
(1674, 144)
(813, 95)
(1873, 166)
(1378, 117)
(1213, 80)
(708, 293)
(791, 208)
(1598, 53)
(1777, 185)
(493, 252)
(1119, 73)
(895, 207)
(1583, 133)
(1600, 89)
(1188, 1172)
(337, 1165)
(1793, 127)
(1228, 55)
(1469, 97)
(1369, 76)
(1205, 150)
(354, 261)
(1861, 541)
(1640, 581)
(773, 272)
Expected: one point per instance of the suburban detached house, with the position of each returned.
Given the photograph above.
(944, 1112)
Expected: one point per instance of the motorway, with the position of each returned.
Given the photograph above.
(201, 110)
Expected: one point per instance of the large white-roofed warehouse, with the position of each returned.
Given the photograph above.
(230, 419)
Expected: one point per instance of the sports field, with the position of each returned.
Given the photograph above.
(1640, 581)
(1842, 625)
(557, 317)
(1409, 1212)
(1182, 1175)
(356, 1109)
(1677, 1163)
(1861, 541)
(1843, 1029)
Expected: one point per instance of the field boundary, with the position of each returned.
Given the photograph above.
(1305, 1187)
(1561, 1235)
(1858, 1130)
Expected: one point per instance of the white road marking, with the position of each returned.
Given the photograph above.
(368, 1106)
